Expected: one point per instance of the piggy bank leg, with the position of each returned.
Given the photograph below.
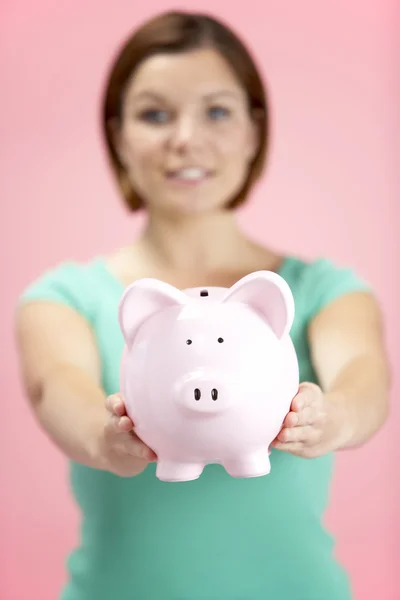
(256, 464)
(169, 470)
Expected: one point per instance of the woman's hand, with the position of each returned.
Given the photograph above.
(314, 426)
(124, 454)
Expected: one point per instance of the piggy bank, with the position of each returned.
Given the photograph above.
(208, 374)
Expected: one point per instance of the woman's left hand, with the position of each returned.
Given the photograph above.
(314, 426)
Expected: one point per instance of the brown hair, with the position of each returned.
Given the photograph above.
(174, 32)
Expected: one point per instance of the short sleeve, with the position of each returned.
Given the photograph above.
(325, 282)
(67, 283)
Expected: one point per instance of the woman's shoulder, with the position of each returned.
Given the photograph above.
(73, 282)
(323, 270)
(317, 282)
(67, 272)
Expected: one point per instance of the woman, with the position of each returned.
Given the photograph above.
(185, 120)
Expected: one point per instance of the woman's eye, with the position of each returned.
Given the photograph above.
(154, 116)
(218, 112)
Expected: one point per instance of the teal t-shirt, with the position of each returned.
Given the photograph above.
(216, 538)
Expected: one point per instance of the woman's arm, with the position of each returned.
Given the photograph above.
(60, 370)
(349, 357)
(348, 352)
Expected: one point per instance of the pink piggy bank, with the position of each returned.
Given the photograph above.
(208, 375)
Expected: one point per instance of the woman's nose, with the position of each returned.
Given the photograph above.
(185, 132)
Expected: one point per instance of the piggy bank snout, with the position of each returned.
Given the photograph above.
(204, 393)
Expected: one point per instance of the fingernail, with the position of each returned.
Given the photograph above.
(124, 423)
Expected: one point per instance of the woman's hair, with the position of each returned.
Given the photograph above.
(175, 32)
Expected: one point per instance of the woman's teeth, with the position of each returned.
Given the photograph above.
(189, 174)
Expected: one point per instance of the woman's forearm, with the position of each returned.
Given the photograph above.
(72, 412)
(362, 391)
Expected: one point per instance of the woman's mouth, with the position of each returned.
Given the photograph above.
(189, 175)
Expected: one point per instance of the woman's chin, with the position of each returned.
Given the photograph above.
(192, 205)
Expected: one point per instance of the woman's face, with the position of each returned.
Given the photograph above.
(186, 137)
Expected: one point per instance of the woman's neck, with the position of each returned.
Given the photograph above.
(205, 242)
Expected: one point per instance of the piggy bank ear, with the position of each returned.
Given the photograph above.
(269, 295)
(141, 300)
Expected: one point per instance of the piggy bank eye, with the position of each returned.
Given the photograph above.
(188, 342)
(220, 340)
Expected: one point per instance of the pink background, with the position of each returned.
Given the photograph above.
(331, 190)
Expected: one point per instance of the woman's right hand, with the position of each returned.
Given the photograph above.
(124, 453)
